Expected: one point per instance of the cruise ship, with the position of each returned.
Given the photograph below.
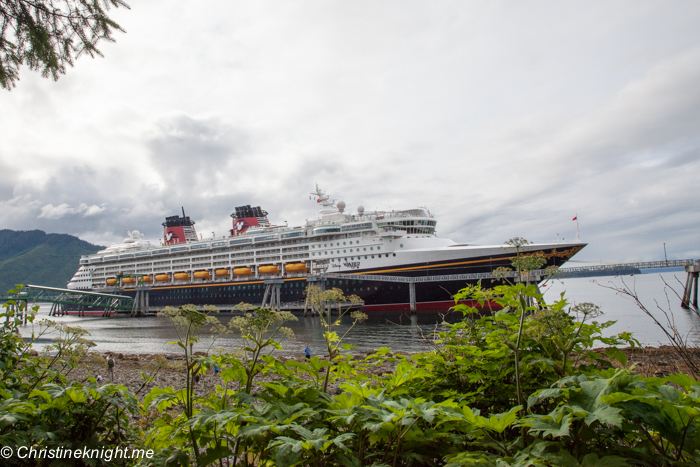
(183, 268)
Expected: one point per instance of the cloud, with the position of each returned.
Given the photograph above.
(188, 152)
(504, 121)
(56, 212)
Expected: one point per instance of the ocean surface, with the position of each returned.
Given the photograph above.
(403, 332)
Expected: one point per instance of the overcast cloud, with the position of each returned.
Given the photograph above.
(504, 119)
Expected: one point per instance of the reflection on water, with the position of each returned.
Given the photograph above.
(399, 330)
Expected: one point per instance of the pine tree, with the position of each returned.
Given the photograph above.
(48, 35)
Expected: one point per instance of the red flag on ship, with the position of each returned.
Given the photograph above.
(576, 217)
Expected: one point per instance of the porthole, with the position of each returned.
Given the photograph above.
(371, 248)
(394, 254)
(344, 251)
(401, 245)
(344, 243)
(379, 248)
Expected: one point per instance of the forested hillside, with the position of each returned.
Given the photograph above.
(35, 257)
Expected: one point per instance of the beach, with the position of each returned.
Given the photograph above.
(168, 370)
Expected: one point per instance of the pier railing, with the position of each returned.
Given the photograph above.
(78, 299)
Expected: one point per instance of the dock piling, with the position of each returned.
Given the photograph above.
(691, 286)
(273, 290)
(412, 296)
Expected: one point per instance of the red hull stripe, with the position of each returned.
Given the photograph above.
(439, 305)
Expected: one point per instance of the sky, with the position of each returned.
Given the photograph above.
(504, 119)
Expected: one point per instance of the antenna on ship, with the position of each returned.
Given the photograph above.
(183, 211)
(578, 239)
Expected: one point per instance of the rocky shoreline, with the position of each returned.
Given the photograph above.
(168, 370)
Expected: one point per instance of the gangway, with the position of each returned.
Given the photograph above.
(79, 299)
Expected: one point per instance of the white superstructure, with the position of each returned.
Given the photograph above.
(335, 241)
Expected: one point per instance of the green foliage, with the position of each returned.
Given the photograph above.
(49, 35)
(323, 302)
(39, 408)
(455, 406)
(258, 331)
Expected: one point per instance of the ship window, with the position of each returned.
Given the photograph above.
(401, 245)
(344, 243)
(344, 251)
(379, 248)
(394, 254)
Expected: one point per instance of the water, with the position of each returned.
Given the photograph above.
(653, 293)
(399, 330)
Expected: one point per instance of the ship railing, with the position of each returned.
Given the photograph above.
(381, 215)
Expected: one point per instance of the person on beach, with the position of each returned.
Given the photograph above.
(110, 368)
(307, 351)
(216, 370)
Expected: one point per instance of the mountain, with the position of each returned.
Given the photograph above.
(35, 257)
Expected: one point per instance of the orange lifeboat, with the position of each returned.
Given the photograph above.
(147, 279)
(202, 275)
(242, 271)
(112, 281)
(162, 277)
(221, 272)
(269, 270)
(181, 276)
(295, 267)
(128, 280)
